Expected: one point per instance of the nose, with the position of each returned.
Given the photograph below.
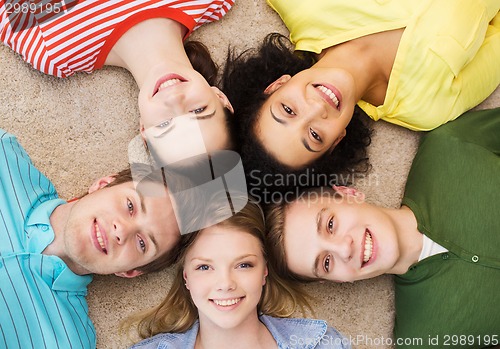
(343, 247)
(225, 281)
(174, 100)
(316, 108)
(123, 231)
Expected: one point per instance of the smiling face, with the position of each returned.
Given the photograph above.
(306, 114)
(116, 230)
(339, 238)
(225, 271)
(166, 96)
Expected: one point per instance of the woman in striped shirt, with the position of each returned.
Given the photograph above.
(145, 37)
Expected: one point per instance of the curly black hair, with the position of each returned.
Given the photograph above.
(245, 77)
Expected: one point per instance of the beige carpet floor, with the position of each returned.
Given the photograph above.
(79, 129)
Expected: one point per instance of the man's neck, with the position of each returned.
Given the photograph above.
(58, 220)
(410, 239)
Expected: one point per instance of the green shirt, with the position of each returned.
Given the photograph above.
(452, 299)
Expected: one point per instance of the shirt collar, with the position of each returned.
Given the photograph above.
(41, 213)
(283, 328)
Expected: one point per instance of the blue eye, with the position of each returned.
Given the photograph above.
(198, 110)
(203, 267)
(130, 206)
(245, 265)
(165, 123)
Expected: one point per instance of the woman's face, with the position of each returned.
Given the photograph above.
(306, 115)
(225, 271)
(181, 114)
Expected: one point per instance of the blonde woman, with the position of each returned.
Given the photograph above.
(225, 295)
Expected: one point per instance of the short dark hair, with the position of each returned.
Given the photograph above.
(245, 77)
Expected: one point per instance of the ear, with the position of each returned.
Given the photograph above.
(129, 274)
(337, 141)
(223, 98)
(142, 129)
(266, 273)
(101, 183)
(185, 279)
(277, 84)
(348, 191)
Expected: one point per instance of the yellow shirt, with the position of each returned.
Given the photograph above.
(447, 61)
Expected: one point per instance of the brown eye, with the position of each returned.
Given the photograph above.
(287, 109)
(327, 264)
(330, 225)
(315, 135)
(142, 244)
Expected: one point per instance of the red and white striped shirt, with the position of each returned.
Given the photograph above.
(79, 35)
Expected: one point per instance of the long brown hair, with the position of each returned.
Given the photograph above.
(177, 312)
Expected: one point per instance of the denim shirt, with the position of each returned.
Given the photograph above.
(288, 334)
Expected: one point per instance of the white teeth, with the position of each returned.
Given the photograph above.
(99, 237)
(368, 247)
(329, 93)
(169, 83)
(227, 302)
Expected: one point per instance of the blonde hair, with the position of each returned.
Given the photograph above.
(177, 312)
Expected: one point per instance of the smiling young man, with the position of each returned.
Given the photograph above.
(49, 247)
(442, 243)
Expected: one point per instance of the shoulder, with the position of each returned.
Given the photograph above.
(184, 340)
(11, 150)
(6, 136)
(303, 333)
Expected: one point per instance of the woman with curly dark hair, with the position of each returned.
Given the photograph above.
(245, 79)
(414, 64)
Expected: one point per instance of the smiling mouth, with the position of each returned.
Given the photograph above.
(167, 81)
(227, 302)
(329, 94)
(100, 240)
(368, 250)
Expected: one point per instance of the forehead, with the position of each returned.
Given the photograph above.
(224, 242)
(302, 216)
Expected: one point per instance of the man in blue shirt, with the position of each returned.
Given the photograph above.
(49, 248)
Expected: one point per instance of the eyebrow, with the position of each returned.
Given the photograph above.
(278, 120)
(143, 211)
(319, 224)
(306, 145)
(283, 122)
(236, 259)
(197, 117)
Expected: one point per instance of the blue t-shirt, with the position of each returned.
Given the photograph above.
(42, 302)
